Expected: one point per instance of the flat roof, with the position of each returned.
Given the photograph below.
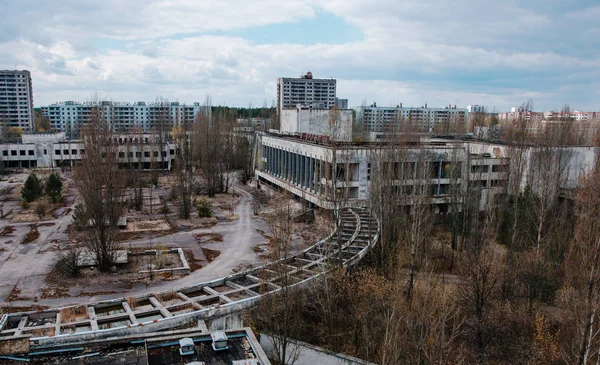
(155, 348)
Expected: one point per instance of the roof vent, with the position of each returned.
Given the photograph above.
(245, 362)
(186, 346)
(219, 341)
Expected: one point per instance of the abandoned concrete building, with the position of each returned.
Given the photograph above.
(324, 170)
(142, 150)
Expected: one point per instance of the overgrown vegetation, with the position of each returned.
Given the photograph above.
(512, 278)
(204, 208)
(32, 188)
(54, 187)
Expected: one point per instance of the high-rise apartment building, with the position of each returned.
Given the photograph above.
(70, 116)
(314, 93)
(16, 99)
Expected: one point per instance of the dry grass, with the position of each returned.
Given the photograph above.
(32, 235)
(166, 296)
(7, 308)
(6, 231)
(132, 301)
(208, 237)
(211, 255)
(42, 332)
(73, 314)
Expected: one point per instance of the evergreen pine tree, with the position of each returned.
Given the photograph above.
(53, 187)
(32, 188)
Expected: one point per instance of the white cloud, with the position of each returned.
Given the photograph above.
(138, 50)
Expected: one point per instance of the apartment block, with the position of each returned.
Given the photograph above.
(16, 99)
(70, 116)
(425, 119)
(305, 90)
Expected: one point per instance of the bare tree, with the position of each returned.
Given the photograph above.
(184, 167)
(280, 313)
(419, 220)
(584, 273)
(100, 185)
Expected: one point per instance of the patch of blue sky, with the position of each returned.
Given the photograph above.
(324, 28)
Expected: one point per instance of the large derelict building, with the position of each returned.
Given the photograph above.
(326, 173)
(16, 99)
(425, 119)
(305, 90)
(70, 116)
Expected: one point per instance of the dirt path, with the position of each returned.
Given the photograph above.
(239, 237)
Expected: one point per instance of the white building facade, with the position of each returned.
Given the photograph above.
(380, 119)
(70, 116)
(320, 173)
(16, 99)
(316, 93)
(135, 151)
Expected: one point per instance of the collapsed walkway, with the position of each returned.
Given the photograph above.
(358, 232)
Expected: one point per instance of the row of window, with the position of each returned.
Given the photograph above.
(21, 153)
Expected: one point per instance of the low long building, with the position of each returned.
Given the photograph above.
(143, 151)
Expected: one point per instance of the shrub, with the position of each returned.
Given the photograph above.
(67, 261)
(204, 208)
(32, 188)
(173, 194)
(165, 208)
(40, 209)
(79, 217)
(54, 187)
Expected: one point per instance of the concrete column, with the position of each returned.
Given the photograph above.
(302, 168)
(312, 174)
(268, 159)
(439, 182)
(285, 165)
(300, 173)
(307, 172)
(292, 167)
(278, 159)
(295, 179)
(289, 168)
(282, 164)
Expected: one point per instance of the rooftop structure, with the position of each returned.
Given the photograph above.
(335, 124)
(16, 99)
(155, 348)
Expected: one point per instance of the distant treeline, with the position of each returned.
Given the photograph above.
(244, 112)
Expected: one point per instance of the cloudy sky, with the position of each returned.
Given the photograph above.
(490, 52)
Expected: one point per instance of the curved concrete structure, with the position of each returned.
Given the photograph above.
(357, 233)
